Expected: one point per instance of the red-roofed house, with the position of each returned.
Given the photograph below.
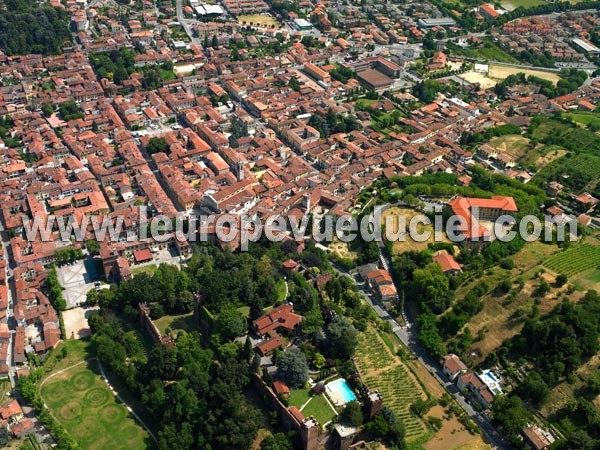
(453, 366)
(448, 263)
(282, 317)
(486, 209)
(143, 255)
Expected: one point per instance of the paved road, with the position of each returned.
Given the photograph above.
(186, 23)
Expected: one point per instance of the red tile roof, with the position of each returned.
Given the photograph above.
(461, 206)
(447, 262)
(281, 317)
(142, 255)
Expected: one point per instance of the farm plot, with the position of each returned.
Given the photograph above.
(386, 373)
(575, 260)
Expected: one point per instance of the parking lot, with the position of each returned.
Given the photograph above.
(77, 279)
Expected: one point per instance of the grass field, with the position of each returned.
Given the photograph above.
(575, 260)
(82, 402)
(514, 145)
(149, 269)
(489, 52)
(183, 322)
(315, 406)
(514, 4)
(584, 118)
(320, 409)
(405, 243)
(478, 77)
(498, 318)
(298, 397)
(501, 72)
(260, 20)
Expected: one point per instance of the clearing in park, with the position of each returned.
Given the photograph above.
(84, 405)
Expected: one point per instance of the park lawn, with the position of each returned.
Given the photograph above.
(4, 389)
(281, 290)
(77, 350)
(82, 403)
(584, 118)
(489, 52)
(319, 408)
(514, 4)
(149, 269)
(184, 322)
(298, 397)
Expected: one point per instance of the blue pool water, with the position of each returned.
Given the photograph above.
(340, 388)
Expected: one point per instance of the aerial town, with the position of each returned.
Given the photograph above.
(146, 112)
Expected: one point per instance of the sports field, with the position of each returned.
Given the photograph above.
(84, 405)
(502, 72)
(258, 20)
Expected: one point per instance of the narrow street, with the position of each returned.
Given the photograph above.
(9, 319)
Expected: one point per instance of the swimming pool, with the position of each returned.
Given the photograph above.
(339, 392)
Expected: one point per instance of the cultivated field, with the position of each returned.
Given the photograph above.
(575, 260)
(402, 382)
(82, 402)
(384, 372)
(501, 72)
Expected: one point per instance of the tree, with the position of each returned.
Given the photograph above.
(388, 426)
(341, 339)
(47, 109)
(534, 388)
(352, 414)
(318, 360)
(231, 323)
(420, 407)
(432, 288)
(292, 367)
(542, 289)
(510, 414)
(157, 145)
(277, 441)
(93, 247)
(561, 280)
